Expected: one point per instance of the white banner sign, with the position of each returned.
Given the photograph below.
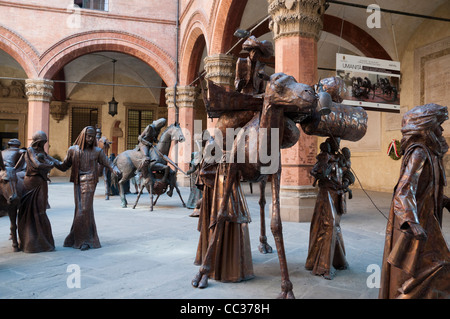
(371, 83)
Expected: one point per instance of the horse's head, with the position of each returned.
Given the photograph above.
(176, 133)
(104, 144)
(8, 185)
(296, 98)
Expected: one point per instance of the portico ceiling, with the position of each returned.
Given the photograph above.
(393, 35)
(87, 67)
(396, 30)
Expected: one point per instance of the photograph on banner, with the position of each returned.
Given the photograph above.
(371, 83)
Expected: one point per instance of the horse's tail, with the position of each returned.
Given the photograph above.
(114, 181)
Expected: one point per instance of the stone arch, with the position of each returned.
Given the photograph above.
(351, 33)
(356, 36)
(227, 17)
(80, 44)
(21, 50)
(193, 44)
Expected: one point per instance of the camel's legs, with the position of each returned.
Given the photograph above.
(264, 247)
(277, 231)
(201, 278)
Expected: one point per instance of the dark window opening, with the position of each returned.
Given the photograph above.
(82, 117)
(92, 4)
(8, 129)
(137, 122)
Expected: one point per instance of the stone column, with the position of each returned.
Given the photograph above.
(296, 25)
(185, 98)
(221, 69)
(39, 93)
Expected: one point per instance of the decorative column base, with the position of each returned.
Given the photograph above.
(297, 203)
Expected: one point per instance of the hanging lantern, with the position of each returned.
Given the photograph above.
(112, 110)
(112, 107)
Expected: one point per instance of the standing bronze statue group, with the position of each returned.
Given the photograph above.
(29, 183)
(416, 259)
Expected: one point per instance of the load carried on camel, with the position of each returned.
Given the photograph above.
(344, 121)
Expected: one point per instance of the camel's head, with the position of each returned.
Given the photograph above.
(296, 98)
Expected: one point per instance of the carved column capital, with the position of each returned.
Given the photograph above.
(39, 90)
(221, 69)
(296, 18)
(186, 96)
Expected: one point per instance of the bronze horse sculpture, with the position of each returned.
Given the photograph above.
(285, 100)
(128, 162)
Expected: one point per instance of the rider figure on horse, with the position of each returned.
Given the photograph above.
(12, 156)
(146, 142)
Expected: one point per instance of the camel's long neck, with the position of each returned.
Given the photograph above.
(272, 120)
(164, 142)
(272, 116)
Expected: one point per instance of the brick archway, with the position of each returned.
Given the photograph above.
(193, 44)
(80, 44)
(356, 36)
(226, 23)
(350, 33)
(228, 15)
(20, 50)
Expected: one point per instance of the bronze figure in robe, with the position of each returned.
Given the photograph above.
(232, 260)
(34, 229)
(250, 71)
(83, 157)
(326, 251)
(416, 259)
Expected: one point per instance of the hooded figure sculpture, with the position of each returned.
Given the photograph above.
(250, 74)
(83, 157)
(35, 231)
(416, 260)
